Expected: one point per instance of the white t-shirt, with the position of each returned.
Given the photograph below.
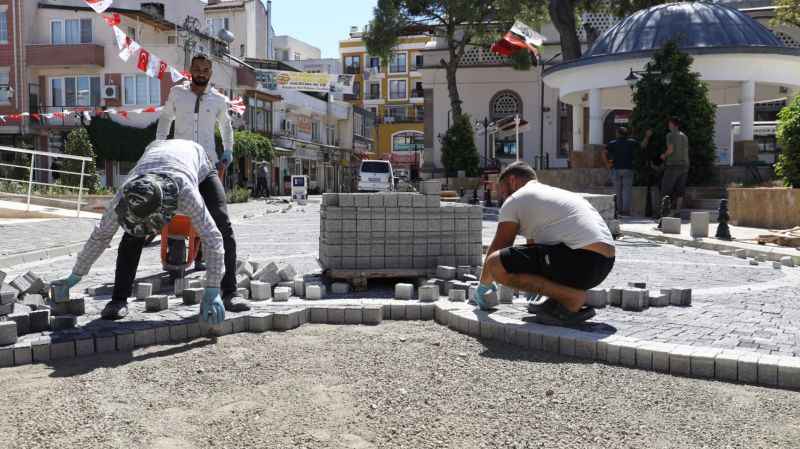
(550, 216)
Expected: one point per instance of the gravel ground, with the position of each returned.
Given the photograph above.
(398, 385)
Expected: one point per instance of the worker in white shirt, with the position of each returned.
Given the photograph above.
(197, 108)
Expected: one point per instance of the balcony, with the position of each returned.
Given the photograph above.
(352, 70)
(417, 93)
(47, 55)
(373, 96)
(402, 115)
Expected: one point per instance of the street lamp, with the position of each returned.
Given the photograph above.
(541, 108)
(633, 77)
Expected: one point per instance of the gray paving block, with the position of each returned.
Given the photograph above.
(61, 322)
(163, 334)
(403, 291)
(505, 294)
(193, 296)
(76, 306)
(748, 367)
(457, 295)
(336, 315)
(615, 297)
(428, 293)
(319, 315)
(680, 360)
(105, 342)
(702, 361)
(789, 372)
(40, 349)
(397, 311)
(281, 294)
(726, 366)
(597, 298)
(426, 312)
(143, 290)
(627, 352)
(550, 343)
(670, 225)
(84, 346)
(259, 322)
(413, 312)
(340, 288)
(566, 344)
(353, 315)
(644, 357)
(287, 273)
(60, 350)
(660, 353)
(768, 369)
(23, 321)
(634, 300)
(313, 292)
(156, 303)
(23, 354)
(126, 340)
(144, 337)
(260, 291)
(299, 287)
(7, 356)
(239, 324)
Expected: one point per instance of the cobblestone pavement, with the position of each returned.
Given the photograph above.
(40, 234)
(735, 305)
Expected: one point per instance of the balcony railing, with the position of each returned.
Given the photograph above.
(65, 55)
(352, 70)
(417, 93)
(372, 96)
(402, 116)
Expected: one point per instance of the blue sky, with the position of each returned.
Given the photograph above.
(320, 23)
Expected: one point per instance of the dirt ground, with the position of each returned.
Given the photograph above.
(397, 385)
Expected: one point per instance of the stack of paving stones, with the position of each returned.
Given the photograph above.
(381, 231)
(638, 298)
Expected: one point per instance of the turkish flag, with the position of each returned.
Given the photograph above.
(153, 66)
(112, 19)
(150, 109)
(99, 5)
(163, 68)
(512, 43)
(144, 59)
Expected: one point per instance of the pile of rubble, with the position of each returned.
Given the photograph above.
(29, 304)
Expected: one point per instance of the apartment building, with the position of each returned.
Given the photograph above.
(392, 90)
(248, 20)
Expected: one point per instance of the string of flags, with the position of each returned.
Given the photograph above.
(77, 112)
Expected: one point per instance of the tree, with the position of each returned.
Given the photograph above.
(685, 96)
(787, 12)
(78, 144)
(788, 165)
(458, 148)
(460, 23)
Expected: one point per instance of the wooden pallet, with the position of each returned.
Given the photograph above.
(358, 278)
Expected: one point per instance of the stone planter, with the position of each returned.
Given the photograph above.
(767, 207)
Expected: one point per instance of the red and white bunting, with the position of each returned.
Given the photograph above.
(143, 61)
(153, 66)
(112, 20)
(99, 5)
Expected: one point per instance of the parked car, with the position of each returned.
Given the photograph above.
(376, 176)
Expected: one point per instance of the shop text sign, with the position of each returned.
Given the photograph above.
(308, 82)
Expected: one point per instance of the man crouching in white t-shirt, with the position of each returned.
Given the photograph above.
(569, 247)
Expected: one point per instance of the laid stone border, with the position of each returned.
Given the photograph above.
(675, 359)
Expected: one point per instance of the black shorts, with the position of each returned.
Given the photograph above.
(576, 268)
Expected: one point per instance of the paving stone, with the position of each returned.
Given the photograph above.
(567, 344)
(787, 261)
(193, 330)
(413, 312)
(260, 291)
(84, 346)
(259, 322)
(457, 295)
(8, 333)
(163, 334)
(23, 321)
(196, 283)
(597, 298)
(699, 222)
(144, 337)
(40, 350)
(7, 295)
(23, 354)
(239, 324)
(428, 293)
(372, 314)
(243, 293)
(777, 265)
(397, 311)
(105, 342)
(7, 356)
(313, 292)
(445, 272)
(550, 343)
(748, 367)
(505, 294)
(76, 306)
(660, 353)
(60, 350)
(59, 293)
(156, 303)
(627, 352)
(426, 311)
(29, 282)
(615, 297)
(299, 287)
(282, 294)
(126, 340)
(670, 225)
(702, 362)
(660, 299)
(789, 372)
(192, 296)
(726, 366)
(353, 315)
(319, 315)
(340, 288)
(680, 360)
(61, 322)
(768, 370)
(644, 356)
(634, 300)
(753, 262)
(403, 291)
(287, 273)
(143, 290)
(740, 253)
(336, 315)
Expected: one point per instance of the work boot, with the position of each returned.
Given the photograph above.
(115, 310)
(235, 303)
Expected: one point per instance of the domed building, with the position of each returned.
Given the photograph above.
(742, 61)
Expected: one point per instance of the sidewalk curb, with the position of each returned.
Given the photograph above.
(717, 245)
(686, 361)
(9, 262)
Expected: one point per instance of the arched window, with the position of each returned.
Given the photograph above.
(408, 141)
(505, 103)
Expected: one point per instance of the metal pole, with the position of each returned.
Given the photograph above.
(541, 114)
(30, 181)
(516, 127)
(485, 142)
(80, 188)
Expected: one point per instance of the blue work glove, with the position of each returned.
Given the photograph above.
(60, 288)
(227, 158)
(482, 290)
(212, 311)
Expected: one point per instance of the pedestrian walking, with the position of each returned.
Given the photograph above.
(676, 164)
(619, 155)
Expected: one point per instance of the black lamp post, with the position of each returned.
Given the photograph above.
(542, 111)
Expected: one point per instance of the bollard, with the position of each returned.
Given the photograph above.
(723, 231)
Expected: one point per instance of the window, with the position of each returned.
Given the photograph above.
(315, 131)
(506, 104)
(418, 93)
(374, 91)
(172, 40)
(218, 24)
(71, 31)
(75, 91)
(398, 63)
(297, 57)
(330, 134)
(4, 85)
(408, 141)
(140, 90)
(259, 115)
(4, 27)
(374, 64)
(419, 61)
(132, 33)
(397, 89)
(352, 65)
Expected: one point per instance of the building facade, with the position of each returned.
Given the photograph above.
(288, 48)
(393, 91)
(248, 20)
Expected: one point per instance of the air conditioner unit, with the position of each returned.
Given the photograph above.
(109, 92)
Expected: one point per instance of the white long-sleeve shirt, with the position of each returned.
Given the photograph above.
(188, 165)
(195, 117)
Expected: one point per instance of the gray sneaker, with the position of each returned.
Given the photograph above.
(115, 310)
(235, 303)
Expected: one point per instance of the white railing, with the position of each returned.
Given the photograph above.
(32, 168)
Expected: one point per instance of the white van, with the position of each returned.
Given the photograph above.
(375, 176)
